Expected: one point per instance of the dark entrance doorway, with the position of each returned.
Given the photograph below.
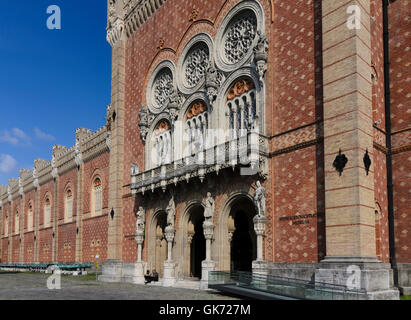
(198, 244)
(244, 241)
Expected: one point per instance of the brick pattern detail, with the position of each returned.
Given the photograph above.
(295, 193)
(95, 238)
(45, 243)
(400, 76)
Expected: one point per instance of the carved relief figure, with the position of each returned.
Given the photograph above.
(261, 56)
(209, 208)
(260, 199)
(141, 220)
(171, 211)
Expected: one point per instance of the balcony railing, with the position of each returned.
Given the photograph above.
(248, 152)
(286, 287)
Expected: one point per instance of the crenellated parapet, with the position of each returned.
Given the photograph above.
(115, 21)
(125, 17)
(3, 195)
(88, 145)
(136, 13)
(95, 144)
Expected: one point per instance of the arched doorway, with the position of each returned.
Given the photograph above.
(196, 250)
(243, 244)
(157, 249)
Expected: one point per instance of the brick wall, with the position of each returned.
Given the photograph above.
(400, 76)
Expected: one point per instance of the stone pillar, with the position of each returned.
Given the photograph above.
(79, 215)
(22, 221)
(207, 265)
(188, 251)
(169, 277)
(348, 134)
(138, 268)
(116, 37)
(259, 265)
(140, 240)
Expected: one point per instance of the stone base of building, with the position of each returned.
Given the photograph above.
(169, 274)
(134, 272)
(260, 267)
(373, 278)
(118, 271)
(206, 267)
(112, 271)
(404, 278)
(293, 270)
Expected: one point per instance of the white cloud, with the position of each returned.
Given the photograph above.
(15, 137)
(7, 163)
(20, 134)
(43, 136)
(7, 137)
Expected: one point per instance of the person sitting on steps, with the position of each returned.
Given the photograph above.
(148, 277)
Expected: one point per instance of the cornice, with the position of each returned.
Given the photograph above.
(136, 13)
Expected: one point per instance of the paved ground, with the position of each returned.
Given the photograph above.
(33, 286)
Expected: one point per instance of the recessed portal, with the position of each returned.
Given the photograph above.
(244, 239)
(197, 247)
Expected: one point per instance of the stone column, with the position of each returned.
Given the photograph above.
(140, 265)
(116, 36)
(169, 277)
(188, 251)
(259, 265)
(348, 134)
(207, 265)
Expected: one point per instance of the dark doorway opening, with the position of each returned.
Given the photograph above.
(198, 244)
(244, 240)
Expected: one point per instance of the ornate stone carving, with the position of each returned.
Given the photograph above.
(146, 118)
(9, 197)
(171, 211)
(194, 15)
(259, 200)
(209, 209)
(141, 221)
(135, 170)
(163, 88)
(240, 87)
(77, 152)
(108, 140)
(35, 179)
(20, 188)
(261, 56)
(53, 166)
(111, 13)
(196, 65)
(196, 109)
(213, 82)
(174, 105)
(239, 38)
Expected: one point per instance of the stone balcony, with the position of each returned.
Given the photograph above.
(249, 153)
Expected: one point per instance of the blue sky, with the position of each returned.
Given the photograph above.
(51, 81)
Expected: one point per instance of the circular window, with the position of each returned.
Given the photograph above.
(196, 65)
(162, 88)
(239, 36)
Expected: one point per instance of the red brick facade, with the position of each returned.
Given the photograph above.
(293, 125)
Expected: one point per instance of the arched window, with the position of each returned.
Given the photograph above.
(47, 213)
(30, 218)
(96, 197)
(161, 141)
(17, 223)
(6, 225)
(68, 206)
(197, 127)
(241, 108)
